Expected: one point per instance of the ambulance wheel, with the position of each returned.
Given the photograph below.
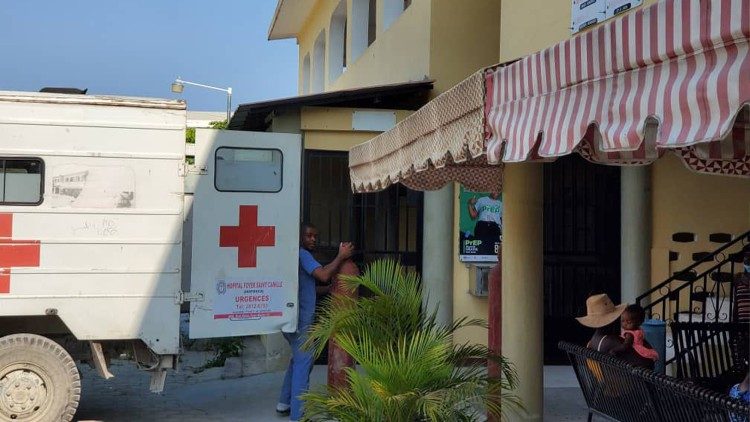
(39, 381)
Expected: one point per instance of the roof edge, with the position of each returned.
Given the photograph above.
(271, 37)
(422, 84)
(109, 100)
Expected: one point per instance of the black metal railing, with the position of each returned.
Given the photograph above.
(622, 392)
(709, 293)
(714, 355)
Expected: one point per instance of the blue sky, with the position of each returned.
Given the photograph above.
(138, 47)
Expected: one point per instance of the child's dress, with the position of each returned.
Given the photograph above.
(736, 393)
(638, 345)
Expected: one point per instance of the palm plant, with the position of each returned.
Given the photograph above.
(409, 368)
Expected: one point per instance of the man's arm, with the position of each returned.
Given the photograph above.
(472, 208)
(627, 343)
(326, 272)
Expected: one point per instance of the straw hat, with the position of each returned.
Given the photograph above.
(600, 311)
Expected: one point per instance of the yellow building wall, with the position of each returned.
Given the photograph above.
(331, 128)
(685, 201)
(399, 54)
(319, 20)
(463, 39)
(445, 40)
(527, 26)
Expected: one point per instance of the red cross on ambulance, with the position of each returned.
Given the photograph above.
(247, 237)
(14, 252)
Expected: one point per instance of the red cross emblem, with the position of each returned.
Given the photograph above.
(14, 253)
(247, 237)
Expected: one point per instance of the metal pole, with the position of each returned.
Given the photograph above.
(227, 90)
(229, 104)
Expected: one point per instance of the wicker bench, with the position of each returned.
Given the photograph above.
(622, 392)
(712, 354)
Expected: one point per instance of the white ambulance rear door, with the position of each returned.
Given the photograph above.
(245, 243)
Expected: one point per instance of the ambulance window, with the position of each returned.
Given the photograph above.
(21, 181)
(248, 170)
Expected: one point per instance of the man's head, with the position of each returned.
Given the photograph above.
(308, 236)
(494, 195)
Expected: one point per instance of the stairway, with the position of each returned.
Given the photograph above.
(702, 292)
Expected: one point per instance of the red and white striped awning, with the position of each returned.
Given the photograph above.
(671, 77)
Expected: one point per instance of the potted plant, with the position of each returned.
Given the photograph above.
(409, 368)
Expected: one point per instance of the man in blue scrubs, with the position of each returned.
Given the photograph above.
(297, 376)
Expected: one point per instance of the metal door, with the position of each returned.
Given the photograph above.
(246, 215)
(386, 224)
(581, 246)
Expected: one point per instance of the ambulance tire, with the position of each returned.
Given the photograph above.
(39, 381)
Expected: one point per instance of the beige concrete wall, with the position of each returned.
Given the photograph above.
(685, 201)
(286, 122)
(330, 128)
(527, 26)
(463, 39)
(335, 141)
(399, 54)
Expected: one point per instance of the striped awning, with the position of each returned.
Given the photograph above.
(671, 77)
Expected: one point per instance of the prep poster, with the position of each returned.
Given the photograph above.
(248, 299)
(480, 226)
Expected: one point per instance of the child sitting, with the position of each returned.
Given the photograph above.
(632, 334)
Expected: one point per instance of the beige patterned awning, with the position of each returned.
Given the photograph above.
(446, 136)
(611, 94)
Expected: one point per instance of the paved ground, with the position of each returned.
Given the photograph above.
(192, 397)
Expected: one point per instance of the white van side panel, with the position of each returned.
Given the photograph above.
(109, 227)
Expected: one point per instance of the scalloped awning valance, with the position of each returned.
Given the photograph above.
(671, 77)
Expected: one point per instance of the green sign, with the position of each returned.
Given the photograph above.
(480, 226)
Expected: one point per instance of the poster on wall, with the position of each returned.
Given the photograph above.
(585, 13)
(480, 226)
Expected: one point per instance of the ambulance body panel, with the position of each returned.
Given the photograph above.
(108, 226)
(92, 214)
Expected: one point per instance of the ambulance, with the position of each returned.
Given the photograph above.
(95, 201)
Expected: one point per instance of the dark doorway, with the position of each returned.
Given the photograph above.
(581, 246)
(386, 224)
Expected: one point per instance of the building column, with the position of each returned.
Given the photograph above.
(522, 283)
(437, 253)
(635, 232)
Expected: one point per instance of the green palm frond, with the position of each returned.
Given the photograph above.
(409, 367)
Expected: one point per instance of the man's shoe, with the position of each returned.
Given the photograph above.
(283, 409)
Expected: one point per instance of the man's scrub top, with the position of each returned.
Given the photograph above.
(306, 299)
